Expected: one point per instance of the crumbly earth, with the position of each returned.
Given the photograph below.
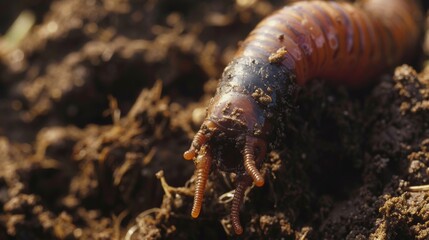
(101, 98)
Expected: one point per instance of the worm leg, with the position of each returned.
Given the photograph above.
(198, 141)
(244, 182)
(203, 163)
(249, 159)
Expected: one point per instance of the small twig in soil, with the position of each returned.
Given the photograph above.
(131, 232)
(420, 188)
(168, 189)
(133, 229)
(226, 197)
(117, 220)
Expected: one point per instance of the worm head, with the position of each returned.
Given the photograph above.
(233, 137)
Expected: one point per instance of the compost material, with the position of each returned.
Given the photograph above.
(100, 98)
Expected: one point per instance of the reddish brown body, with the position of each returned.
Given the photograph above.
(342, 42)
(338, 41)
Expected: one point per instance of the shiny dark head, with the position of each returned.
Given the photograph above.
(232, 131)
(234, 135)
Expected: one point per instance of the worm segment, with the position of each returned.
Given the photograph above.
(250, 159)
(198, 141)
(243, 183)
(203, 163)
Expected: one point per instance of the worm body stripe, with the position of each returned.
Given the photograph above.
(337, 40)
(341, 42)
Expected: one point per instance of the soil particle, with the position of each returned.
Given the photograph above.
(279, 55)
(261, 97)
(404, 217)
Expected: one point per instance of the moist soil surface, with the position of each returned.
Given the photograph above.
(99, 100)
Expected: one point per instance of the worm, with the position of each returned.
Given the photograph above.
(344, 43)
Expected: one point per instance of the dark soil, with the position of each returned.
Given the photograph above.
(101, 98)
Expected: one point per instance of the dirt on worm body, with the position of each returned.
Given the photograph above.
(100, 98)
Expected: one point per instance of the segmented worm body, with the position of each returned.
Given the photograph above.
(341, 42)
